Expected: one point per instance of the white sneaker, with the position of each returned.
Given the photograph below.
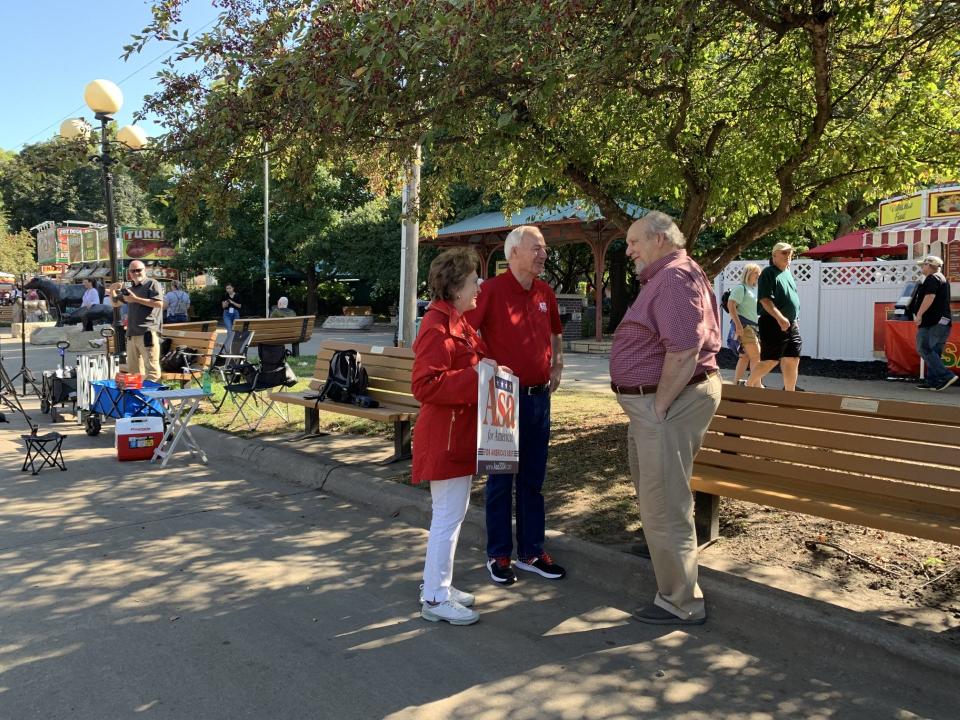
(464, 598)
(449, 610)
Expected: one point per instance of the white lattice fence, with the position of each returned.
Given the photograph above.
(837, 302)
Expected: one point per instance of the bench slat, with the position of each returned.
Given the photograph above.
(378, 381)
(712, 461)
(389, 398)
(819, 457)
(831, 439)
(886, 514)
(369, 361)
(383, 414)
(385, 350)
(878, 427)
(894, 409)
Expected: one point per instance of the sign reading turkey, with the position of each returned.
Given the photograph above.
(498, 435)
(146, 243)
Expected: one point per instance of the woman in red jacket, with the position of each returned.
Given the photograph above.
(446, 352)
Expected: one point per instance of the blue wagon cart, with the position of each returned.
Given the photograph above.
(111, 401)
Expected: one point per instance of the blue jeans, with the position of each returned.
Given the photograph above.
(534, 421)
(930, 344)
(177, 318)
(228, 319)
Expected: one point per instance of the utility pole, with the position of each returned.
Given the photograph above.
(409, 242)
(266, 229)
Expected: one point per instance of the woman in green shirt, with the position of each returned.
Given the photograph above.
(742, 307)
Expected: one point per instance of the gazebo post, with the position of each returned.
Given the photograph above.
(599, 249)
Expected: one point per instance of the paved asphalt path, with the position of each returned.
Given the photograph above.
(127, 591)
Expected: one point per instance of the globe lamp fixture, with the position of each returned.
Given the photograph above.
(132, 136)
(74, 128)
(103, 97)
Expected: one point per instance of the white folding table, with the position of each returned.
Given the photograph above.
(179, 406)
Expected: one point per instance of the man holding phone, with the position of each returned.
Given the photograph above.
(144, 301)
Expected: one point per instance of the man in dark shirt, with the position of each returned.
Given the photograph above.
(778, 310)
(144, 301)
(931, 313)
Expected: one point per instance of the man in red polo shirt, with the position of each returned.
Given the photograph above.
(517, 316)
(663, 368)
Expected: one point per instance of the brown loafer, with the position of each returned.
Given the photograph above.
(656, 615)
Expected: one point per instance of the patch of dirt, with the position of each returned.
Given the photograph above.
(916, 572)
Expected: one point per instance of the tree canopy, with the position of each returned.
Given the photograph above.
(744, 115)
(54, 180)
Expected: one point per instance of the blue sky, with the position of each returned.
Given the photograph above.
(51, 49)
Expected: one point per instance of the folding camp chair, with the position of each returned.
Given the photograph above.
(251, 396)
(228, 361)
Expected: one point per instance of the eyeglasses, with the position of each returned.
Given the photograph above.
(136, 271)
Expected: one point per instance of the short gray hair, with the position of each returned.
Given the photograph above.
(516, 236)
(659, 223)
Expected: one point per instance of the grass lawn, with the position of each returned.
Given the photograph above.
(588, 489)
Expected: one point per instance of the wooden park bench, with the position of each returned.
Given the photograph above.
(885, 464)
(266, 331)
(201, 341)
(389, 370)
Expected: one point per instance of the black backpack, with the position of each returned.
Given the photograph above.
(725, 298)
(174, 361)
(346, 379)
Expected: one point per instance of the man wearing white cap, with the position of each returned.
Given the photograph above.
(779, 308)
(930, 306)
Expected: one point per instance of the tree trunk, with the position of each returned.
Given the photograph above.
(311, 308)
(619, 300)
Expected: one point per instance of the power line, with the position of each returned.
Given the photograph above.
(121, 82)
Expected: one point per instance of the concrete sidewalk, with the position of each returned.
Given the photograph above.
(239, 590)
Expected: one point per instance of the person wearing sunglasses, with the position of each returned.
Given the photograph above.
(144, 301)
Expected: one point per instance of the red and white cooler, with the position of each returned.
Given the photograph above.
(138, 437)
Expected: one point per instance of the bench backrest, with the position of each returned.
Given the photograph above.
(193, 325)
(893, 449)
(388, 368)
(278, 331)
(266, 331)
(204, 342)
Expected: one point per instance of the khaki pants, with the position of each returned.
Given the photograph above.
(661, 463)
(144, 360)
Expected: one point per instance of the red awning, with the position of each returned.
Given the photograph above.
(854, 244)
(945, 231)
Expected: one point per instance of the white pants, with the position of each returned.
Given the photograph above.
(450, 501)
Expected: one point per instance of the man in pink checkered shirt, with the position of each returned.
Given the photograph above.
(663, 368)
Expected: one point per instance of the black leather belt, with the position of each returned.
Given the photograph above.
(534, 389)
(650, 389)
